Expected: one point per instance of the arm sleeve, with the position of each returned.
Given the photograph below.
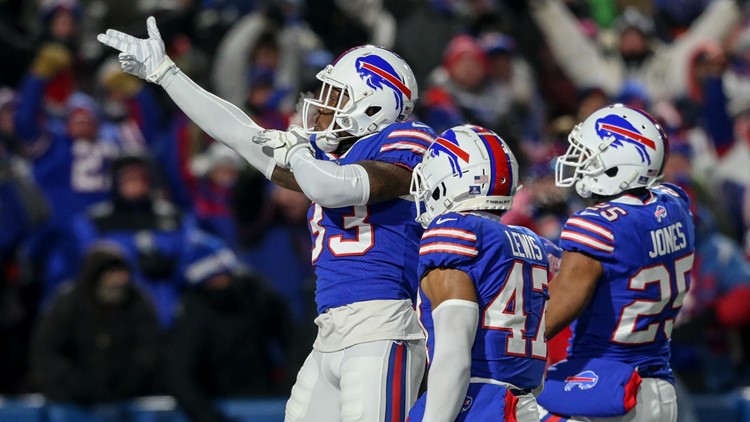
(219, 119)
(329, 184)
(455, 328)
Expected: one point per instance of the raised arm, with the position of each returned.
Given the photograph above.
(147, 59)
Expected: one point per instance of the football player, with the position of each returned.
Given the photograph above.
(353, 159)
(624, 273)
(483, 285)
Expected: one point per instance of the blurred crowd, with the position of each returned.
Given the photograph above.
(138, 256)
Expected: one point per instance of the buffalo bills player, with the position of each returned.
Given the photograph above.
(624, 273)
(353, 159)
(483, 285)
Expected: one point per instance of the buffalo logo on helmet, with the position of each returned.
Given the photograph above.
(584, 380)
(447, 145)
(378, 73)
(624, 132)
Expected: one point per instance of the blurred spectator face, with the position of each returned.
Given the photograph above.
(6, 120)
(633, 44)
(292, 205)
(501, 67)
(466, 62)
(266, 56)
(112, 285)
(62, 24)
(259, 95)
(218, 282)
(224, 175)
(82, 124)
(678, 168)
(595, 100)
(468, 71)
(133, 182)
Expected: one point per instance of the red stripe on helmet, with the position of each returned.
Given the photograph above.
(630, 134)
(390, 78)
(453, 148)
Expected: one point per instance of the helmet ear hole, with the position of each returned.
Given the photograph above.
(372, 110)
(436, 194)
(612, 172)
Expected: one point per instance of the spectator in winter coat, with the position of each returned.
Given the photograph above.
(230, 338)
(98, 341)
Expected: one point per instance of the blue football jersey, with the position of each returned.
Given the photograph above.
(369, 252)
(508, 265)
(645, 246)
(75, 174)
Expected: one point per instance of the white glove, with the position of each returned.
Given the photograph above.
(281, 146)
(144, 58)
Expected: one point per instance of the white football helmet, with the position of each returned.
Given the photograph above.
(376, 88)
(465, 168)
(615, 149)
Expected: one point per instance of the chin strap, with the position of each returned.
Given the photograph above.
(326, 142)
(625, 184)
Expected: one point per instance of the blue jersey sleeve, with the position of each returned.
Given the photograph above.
(589, 233)
(405, 144)
(449, 242)
(673, 191)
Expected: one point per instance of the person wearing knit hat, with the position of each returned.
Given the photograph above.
(466, 62)
(217, 171)
(231, 336)
(98, 340)
(208, 259)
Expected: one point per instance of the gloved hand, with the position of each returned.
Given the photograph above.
(50, 60)
(145, 58)
(281, 146)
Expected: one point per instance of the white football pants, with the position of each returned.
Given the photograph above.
(368, 382)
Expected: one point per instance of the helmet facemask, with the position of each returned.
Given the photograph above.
(334, 99)
(578, 163)
(430, 201)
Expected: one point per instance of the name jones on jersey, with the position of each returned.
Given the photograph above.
(667, 240)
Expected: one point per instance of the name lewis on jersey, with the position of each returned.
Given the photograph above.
(667, 240)
(524, 246)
